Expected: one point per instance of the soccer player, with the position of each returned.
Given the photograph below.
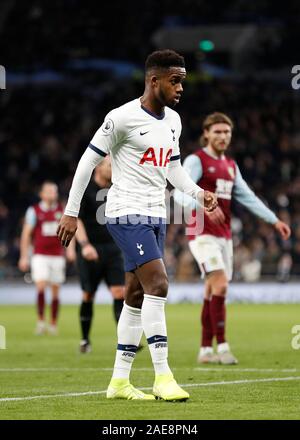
(48, 260)
(142, 138)
(212, 248)
(98, 257)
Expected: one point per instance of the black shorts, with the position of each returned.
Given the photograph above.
(109, 267)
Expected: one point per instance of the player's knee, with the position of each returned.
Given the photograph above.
(220, 288)
(160, 286)
(88, 297)
(217, 283)
(135, 299)
(40, 285)
(117, 292)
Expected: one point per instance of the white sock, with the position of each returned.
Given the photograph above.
(222, 348)
(206, 350)
(130, 331)
(155, 329)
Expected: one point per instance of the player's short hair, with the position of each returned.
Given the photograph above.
(214, 118)
(164, 59)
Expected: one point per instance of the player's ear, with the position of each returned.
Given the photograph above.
(205, 136)
(154, 80)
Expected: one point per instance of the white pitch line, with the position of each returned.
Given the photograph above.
(201, 369)
(60, 369)
(250, 370)
(186, 385)
(49, 396)
(47, 370)
(234, 382)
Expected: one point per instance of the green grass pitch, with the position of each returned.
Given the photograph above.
(53, 381)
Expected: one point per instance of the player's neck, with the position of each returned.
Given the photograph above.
(47, 205)
(212, 152)
(151, 104)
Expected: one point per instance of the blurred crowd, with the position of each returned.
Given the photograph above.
(45, 127)
(45, 130)
(42, 34)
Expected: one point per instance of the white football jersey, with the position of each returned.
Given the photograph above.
(141, 146)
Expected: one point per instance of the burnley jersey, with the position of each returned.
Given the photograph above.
(223, 177)
(218, 176)
(45, 222)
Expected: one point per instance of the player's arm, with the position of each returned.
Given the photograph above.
(180, 179)
(246, 197)
(26, 237)
(88, 251)
(68, 223)
(71, 251)
(193, 167)
(103, 141)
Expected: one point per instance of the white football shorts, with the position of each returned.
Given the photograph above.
(48, 268)
(213, 253)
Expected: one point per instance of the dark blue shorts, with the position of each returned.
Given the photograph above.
(140, 238)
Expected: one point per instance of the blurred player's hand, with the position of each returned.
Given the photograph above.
(210, 201)
(216, 216)
(283, 229)
(66, 229)
(89, 252)
(71, 254)
(23, 264)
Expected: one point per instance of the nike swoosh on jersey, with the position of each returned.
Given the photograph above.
(145, 132)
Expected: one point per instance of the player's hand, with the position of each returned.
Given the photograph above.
(23, 264)
(210, 201)
(89, 252)
(66, 229)
(71, 254)
(216, 216)
(283, 229)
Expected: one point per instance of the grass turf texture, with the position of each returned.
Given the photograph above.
(260, 336)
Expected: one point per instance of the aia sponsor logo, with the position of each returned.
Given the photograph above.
(158, 160)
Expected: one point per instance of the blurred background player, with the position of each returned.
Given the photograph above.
(98, 257)
(48, 260)
(212, 247)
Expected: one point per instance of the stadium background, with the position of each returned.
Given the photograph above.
(68, 64)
